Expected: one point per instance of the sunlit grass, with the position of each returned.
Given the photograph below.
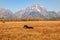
(43, 30)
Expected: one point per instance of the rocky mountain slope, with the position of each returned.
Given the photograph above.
(33, 11)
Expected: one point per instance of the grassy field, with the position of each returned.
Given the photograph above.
(42, 30)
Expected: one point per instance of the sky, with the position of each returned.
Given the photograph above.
(16, 5)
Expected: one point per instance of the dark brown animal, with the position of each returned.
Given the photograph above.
(28, 27)
(3, 21)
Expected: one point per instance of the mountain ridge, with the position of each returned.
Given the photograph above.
(33, 11)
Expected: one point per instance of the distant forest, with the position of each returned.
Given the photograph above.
(29, 19)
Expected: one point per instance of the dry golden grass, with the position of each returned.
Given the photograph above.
(43, 30)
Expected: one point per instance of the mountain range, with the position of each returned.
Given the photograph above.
(33, 11)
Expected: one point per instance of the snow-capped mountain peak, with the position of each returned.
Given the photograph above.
(33, 11)
(36, 7)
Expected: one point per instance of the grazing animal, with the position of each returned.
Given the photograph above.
(27, 27)
(3, 21)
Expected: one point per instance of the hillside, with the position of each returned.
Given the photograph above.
(33, 11)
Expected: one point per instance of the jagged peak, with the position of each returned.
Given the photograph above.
(36, 7)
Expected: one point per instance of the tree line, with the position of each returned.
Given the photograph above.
(29, 19)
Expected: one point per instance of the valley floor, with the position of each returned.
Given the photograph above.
(42, 30)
